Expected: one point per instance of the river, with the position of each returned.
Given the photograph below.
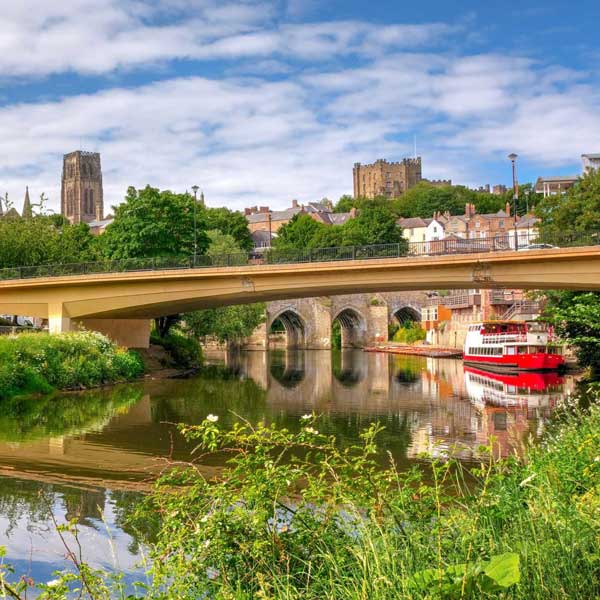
(91, 455)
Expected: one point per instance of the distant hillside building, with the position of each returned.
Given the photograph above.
(383, 178)
(555, 185)
(82, 196)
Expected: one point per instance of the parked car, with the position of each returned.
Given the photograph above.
(537, 247)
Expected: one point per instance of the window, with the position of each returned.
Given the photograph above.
(501, 223)
(477, 224)
(92, 207)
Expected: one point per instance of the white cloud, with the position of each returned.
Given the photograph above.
(289, 116)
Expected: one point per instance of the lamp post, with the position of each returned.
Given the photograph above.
(513, 157)
(195, 189)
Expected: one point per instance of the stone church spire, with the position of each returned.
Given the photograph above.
(27, 211)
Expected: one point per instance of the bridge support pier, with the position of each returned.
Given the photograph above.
(131, 333)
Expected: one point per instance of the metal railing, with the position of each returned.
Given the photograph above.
(452, 246)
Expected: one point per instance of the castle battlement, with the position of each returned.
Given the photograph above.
(383, 178)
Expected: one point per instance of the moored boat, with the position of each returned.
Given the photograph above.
(512, 346)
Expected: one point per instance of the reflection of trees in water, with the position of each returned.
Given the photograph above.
(28, 419)
(35, 502)
(287, 367)
(348, 366)
(216, 389)
(408, 370)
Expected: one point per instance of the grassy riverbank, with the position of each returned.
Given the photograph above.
(40, 363)
(331, 524)
(295, 516)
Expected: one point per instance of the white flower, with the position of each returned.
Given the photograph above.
(306, 417)
(311, 430)
(212, 418)
(54, 583)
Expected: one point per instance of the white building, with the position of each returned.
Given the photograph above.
(591, 162)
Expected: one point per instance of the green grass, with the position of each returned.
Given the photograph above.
(40, 363)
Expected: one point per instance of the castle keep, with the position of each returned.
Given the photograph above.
(383, 178)
(82, 197)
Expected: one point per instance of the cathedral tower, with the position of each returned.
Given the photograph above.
(82, 198)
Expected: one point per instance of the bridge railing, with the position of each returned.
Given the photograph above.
(448, 246)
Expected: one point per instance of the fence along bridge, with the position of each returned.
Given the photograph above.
(119, 298)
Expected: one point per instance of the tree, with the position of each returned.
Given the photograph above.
(153, 223)
(227, 324)
(298, 233)
(221, 243)
(44, 240)
(576, 317)
(374, 224)
(232, 223)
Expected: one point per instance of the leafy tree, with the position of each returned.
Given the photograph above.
(375, 224)
(44, 240)
(576, 317)
(232, 223)
(153, 223)
(227, 324)
(221, 243)
(298, 233)
(344, 204)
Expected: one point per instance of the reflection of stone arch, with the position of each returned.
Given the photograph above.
(354, 327)
(406, 313)
(347, 368)
(287, 368)
(293, 325)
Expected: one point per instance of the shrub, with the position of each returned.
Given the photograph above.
(39, 363)
(185, 350)
(409, 334)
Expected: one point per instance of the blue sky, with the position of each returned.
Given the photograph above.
(262, 101)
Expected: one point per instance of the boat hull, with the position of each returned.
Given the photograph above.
(521, 362)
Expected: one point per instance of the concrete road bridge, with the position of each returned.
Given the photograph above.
(121, 303)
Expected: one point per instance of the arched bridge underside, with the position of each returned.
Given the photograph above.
(107, 302)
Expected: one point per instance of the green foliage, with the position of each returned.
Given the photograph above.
(231, 223)
(297, 515)
(298, 233)
(577, 212)
(576, 318)
(374, 224)
(221, 243)
(184, 350)
(153, 223)
(227, 324)
(39, 363)
(44, 240)
(409, 334)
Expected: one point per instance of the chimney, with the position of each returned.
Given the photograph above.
(294, 203)
(507, 208)
(247, 211)
(264, 209)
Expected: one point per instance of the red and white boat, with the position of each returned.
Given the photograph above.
(512, 346)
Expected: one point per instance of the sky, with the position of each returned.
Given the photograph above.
(263, 101)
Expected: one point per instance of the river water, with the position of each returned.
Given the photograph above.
(91, 455)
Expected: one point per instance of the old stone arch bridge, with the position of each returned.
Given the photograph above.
(363, 320)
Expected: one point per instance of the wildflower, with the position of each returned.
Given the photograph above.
(212, 418)
(311, 430)
(53, 583)
(306, 417)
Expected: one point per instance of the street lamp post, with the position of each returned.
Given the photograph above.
(513, 157)
(195, 189)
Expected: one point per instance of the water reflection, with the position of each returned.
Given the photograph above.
(89, 455)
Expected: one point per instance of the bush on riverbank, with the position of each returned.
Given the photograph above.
(185, 351)
(40, 363)
(332, 524)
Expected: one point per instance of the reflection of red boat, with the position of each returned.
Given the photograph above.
(536, 382)
(511, 346)
(510, 389)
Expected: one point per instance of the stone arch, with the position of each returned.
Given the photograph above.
(354, 327)
(406, 314)
(293, 325)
